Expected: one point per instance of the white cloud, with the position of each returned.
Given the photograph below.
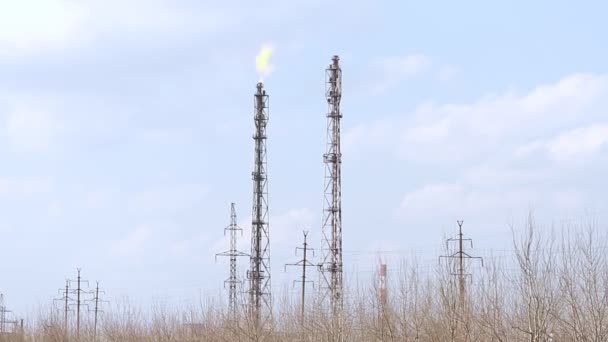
(495, 204)
(374, 135)
(161, 240)
(579, 142)
(576, 144)
(429, 132)
(30, 129)
(453, 199)
(570, 93)
(98, 199)
(394, 70)
(156, 16)
(29, 24)
(436, 133)
(497, 173)
(491, 148)
(133, 243)
(167, 199)
(407, 65)
(22, 188)
(447, 73)
(287, 228)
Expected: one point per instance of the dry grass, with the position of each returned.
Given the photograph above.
(552, 289)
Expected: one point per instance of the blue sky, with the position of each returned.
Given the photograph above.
(125, 132)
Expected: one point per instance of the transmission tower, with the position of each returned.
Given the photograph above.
(458, 259)
(78, 292)
(4, 321)
(331, 266)
(65, 298)
(233, 281)
(97, 301)
(259, 272)
(303, 263)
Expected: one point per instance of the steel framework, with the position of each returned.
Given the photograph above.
(233, 281)
(79, 292)
(259, 272)
(3, 318)
(331, 266)
(458, 258)
(97, 302)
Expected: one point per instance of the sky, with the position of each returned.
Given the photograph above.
(126, 132)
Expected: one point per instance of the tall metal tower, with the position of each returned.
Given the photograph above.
(331, 266)
(233, 281)
(458, 258)
(3, 318)
(97, 301)
(78, 291)
(66, 299)
(259, 272)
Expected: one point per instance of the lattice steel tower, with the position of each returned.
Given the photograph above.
(331, 267)
(233, 281)
(259, 272)
(459, 258)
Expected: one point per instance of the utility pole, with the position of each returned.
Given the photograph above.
(303, 263)
(460, 256)
(65, 298)
(259, 272)
(233, 281)
(97, 301)
(78, 292)
(67, 306)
